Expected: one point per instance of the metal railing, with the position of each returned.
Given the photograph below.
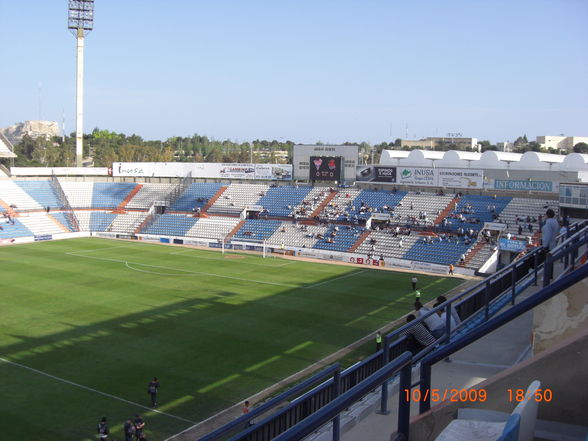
(68, 210)
(177, 191)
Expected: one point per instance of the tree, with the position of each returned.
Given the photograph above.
(581, 147)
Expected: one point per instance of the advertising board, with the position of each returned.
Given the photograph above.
(460, 178)
(213, 170)
(418, 176)
(376, 173)
(325, 168)
(512, 245)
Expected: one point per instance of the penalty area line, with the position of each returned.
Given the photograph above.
(336, 278)
(81, 386)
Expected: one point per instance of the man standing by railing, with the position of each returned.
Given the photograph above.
(549, 231)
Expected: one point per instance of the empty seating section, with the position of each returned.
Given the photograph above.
(413, 204)
(171, 225)
(100, 220)
(472, 211)
(148, 194)
(40, 224)
(237, 197)
(18, 229)
(387, 245)
(110, 195)
(14, 195)
(42, 192)
(126, 223)
(79, 194)
(216, 227)
(83, 219)
(64, 220)
(281, 201)
(440, 251)
(339, 238)
(196, 195)
(257, 230)
(303, 236)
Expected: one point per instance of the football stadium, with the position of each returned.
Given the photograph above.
(428, 295)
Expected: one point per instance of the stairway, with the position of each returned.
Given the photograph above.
(472, 253)
(121, 207)
(63, 227)
(359, 241)
(234, 230)
(446, 210)
(213, 199)
(323, 204)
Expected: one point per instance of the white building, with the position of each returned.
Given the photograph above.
(565, 143)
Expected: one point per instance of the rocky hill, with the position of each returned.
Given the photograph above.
(34, 129)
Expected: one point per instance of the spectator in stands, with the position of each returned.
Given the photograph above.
(443, 316)
(550, 230)
(454, 314)
(433, 321)
(420, 334)
(462, 259)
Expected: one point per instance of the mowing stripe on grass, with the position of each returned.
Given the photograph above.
(196, 273)
(189, 251)
(81, 386)
(336, 278)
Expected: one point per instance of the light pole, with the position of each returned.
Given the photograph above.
(80, 21)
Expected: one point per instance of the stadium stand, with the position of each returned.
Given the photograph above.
(441, 251)
(171, 225)
(311, 202)
(40, 224)
(216, 227)
(339, 238)
(385, 243)
(64, 220)
(257, 230)
(148, 194)
(42, 192)
(282, 201)
(473, 210)
(79, 194)
(14, 195)
(11, 231)
(100, 220)
(429, 204)
(303, 236)
(237, 197)
(127, 222)
(196, 195)
(110, 195)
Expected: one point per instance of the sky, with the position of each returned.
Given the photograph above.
(303, 70)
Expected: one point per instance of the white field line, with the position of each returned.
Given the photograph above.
(196, 273)
(336, 278)
(81, 386)
(182, 252)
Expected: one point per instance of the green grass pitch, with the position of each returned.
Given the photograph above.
(86, 323)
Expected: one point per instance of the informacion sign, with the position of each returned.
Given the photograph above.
(523, 185)
(512, 245)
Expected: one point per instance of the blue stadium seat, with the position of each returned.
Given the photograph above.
(197, 190)
(41, 191)
(375, 200)
(257, 230)
(171, 225)
(110, 194)
(277, 199)
(344, 239)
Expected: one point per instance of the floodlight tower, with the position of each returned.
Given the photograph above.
(80, 21)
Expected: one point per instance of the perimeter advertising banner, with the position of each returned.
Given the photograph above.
(214, 170)
(417, 176)
(325, 168)
(460, 178)
(376, 173)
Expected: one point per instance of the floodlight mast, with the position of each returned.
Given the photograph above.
(80, 21)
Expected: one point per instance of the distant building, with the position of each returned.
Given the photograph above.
(505, 146)
(565, 143)
(431, 143)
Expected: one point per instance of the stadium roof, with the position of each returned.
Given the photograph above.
(6, 149)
